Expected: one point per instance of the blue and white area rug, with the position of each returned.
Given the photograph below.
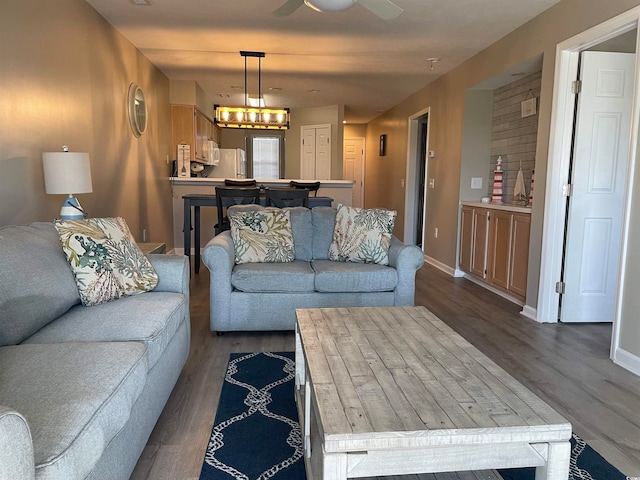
(585, 464)
(256, 434)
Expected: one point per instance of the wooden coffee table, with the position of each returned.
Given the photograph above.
(394, 390)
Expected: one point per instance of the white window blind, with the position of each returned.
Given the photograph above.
(266, 157)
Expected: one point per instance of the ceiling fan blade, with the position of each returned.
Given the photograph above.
(385, 9)
(288, 8)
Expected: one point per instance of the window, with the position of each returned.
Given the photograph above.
(266, 154)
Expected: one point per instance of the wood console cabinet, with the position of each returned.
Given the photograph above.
(494, 247)
(189, 125)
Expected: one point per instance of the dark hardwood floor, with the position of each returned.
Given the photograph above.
(566, 365)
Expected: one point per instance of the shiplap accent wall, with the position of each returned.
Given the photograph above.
(514, 137)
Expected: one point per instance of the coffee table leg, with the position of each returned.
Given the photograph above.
(334, 466)
(557, 467)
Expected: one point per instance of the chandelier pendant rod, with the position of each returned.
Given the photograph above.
(245, 82)
(260, 82)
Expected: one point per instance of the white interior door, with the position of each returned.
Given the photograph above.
(308, 162)
(594, 221)
(353, 158)
(315, 152)
(323, 153)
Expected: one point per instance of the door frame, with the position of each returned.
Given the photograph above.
(411, 186)
(560, 143)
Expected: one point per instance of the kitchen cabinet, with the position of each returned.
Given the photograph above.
(520, 232)
(494, 247)
(189, 125)
(473, 240)
(499, 248)
(466, 238)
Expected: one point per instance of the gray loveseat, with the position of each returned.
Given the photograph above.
(264, 296)
(81, 388)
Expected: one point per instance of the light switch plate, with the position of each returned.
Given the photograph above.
(476, 183)
(432, 183)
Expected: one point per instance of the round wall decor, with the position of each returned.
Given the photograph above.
(137, 110)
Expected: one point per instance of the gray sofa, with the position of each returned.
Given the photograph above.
(81, 388)
(264, 296)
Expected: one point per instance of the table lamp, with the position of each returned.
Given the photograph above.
(67, 173)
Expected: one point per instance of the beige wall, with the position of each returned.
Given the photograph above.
(333, 115)
(64, 80)
(446, 98)
(355, 130)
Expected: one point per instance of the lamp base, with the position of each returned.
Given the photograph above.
(71, 209)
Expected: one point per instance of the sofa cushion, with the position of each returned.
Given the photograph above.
(353, 277)
(151, 318)
(262, 236)
(105, 259)
(300, 226)
(302, 232)
(76, 397)
(296, 276)
(36, 284)
(362, 235)
(324, 219)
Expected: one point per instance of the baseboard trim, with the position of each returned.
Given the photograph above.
(529, 312)
(439, 265)
(492, 289)
(627, 360)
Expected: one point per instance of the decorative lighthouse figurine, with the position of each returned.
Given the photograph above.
(496, 195)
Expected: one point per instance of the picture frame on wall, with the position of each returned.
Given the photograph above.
(383, 145)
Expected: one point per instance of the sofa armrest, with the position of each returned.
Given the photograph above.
(406, 259)
(173, 273)
(219, 257)
(16, 447)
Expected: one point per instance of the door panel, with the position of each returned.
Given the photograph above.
(480, 239)
(308, 165)
(499, 251)
(353, 158)
(594, 222)
(466, 238)
(323, 153)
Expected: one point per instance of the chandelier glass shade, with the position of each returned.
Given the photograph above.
(248, 116)
(259, 118)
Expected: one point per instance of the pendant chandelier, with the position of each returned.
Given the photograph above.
(252, 117)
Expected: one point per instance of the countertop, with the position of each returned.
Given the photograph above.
(266, 182)
(498, 206)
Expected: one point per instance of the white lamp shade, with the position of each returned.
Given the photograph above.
(67, 172)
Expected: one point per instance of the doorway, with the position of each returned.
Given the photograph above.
(597, 175)
(353, 159)
(421, 175)
(558, 167)
(415, 178)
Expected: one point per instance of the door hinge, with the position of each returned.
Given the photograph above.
(567, 190)
(576, 87)
(560, 287)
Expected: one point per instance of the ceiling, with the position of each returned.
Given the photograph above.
(350, 58)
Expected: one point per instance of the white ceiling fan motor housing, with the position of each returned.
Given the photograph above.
(329, 5)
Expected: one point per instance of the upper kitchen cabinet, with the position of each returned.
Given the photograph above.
(189, 125)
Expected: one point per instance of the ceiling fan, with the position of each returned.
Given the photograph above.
(384, 9)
